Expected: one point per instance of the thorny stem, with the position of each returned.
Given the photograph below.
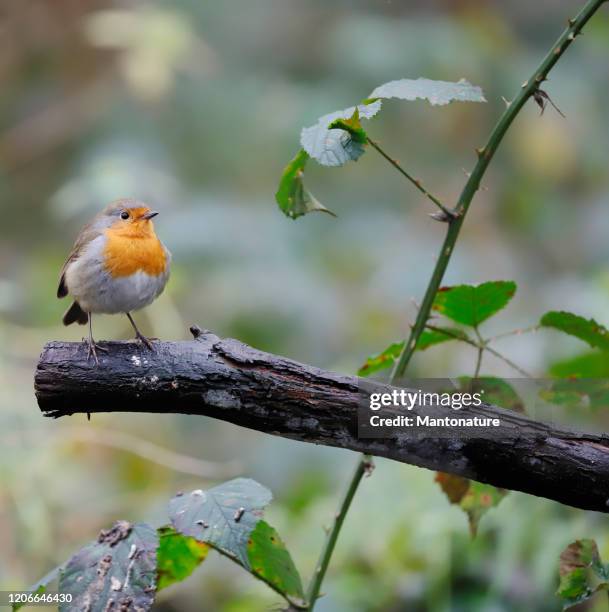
(485, 155)
(416, 182)
(364, 466)
(456, 219)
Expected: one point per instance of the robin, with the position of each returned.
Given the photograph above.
(117, 265)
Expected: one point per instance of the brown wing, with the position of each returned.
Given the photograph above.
(87, 234)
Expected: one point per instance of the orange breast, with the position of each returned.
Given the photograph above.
(125, 255)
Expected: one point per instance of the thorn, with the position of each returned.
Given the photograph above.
(507, 103)
(444, 216)
(557, 50)
(571, 22)
(525, 84)
(571, 36)
(480, 152)
(468, 174)
(369, 468)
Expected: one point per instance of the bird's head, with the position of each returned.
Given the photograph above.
(128, 218)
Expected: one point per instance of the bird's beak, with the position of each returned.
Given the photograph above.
(150, 215)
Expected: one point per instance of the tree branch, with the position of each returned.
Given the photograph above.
(227, 380)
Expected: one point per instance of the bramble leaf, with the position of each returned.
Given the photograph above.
(353, 125)
(120, 567)
(430, 337)
(294, 199)
(223, 516)
(582, 574)
(436, 93)
(588, 330)
(494, 391)
(334, 147)
(271, 562)
(473, 304)
(588, 365)
(474, 498)
(177, 557)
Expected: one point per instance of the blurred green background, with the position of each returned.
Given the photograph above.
(196, 107)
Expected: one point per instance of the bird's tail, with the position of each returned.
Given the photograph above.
(75, 314)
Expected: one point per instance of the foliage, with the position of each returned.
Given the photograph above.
(582, 573)
(588, 330)
(129, 563)
(338, 137)
(471, 305)
(474, 498)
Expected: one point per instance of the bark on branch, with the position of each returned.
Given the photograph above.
(227, 380)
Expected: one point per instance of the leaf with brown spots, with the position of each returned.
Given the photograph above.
(582, 574)
(272, 563)
(474, 498)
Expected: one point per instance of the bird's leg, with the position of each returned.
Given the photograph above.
(138, 334)
(93, 348)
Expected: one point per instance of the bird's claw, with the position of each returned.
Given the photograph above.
(145, 341)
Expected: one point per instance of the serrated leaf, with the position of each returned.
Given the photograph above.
(222, 516)
(436, 93)
(119, 568)
(382, 360)
(496, 391)
(588, 330)
(588, 365)
(41, 586)
(429, 337)
(474, 498)
(177, 557)
(473, 304)
(578, 393)
(294, 199)
(335, 147)
(582, 574)
(271, 562)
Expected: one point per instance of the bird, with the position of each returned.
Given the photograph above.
(117, 265)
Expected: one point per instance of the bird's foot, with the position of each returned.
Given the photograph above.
(145, 341)
(92, 349)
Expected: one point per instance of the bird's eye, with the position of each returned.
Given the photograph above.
(124, 215)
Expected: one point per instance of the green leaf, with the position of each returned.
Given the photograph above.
(381, 361)
(474, 498)
(438, 335)
(578, 393)
(473, 304)
(430, 337)
(223, 516)
(587, 330)
(582, 574)
(494, 391)
(436, 93)
(588, 365)
(41, 586)
(294, 199)
(271, 562)
(177, 557)
(352, 125)
(335, 147)
(119, 567)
